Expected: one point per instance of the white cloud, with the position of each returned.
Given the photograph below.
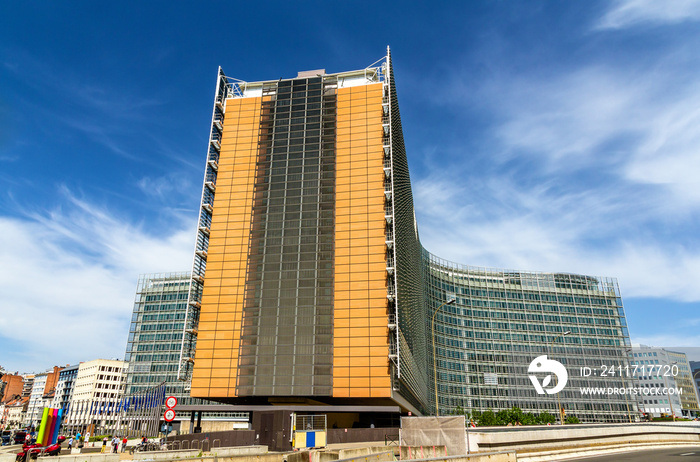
(630, 13)
(498, 223)
(68, 281)
(646, 129)
(568, 117)
(165, 187)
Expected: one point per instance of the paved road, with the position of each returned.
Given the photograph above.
(680, 454)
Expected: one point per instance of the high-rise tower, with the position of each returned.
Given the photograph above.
(298, 234)
(310, 283)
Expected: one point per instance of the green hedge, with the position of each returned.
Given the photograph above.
(513, 416)
(100, 438)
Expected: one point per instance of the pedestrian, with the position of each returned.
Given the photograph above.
(124, 444)
(70, 443)
(104, 445)
(115, 444)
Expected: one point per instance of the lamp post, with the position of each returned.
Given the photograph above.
(432, 327)
(561, 417)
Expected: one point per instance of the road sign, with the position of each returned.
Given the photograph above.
(170, 402)
(169, 415)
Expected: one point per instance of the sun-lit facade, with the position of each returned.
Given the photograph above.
(153, 352)
(501, 320)
(310, 282)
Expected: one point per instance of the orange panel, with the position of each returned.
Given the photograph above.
(217, 392)
(341, 351)
(359, 392)
(341, 332)
(360, 173)
(229, 236)
(377, 361)
(360, 362)
(206, 333)
(359, 382)
(381, 387)
(200, 383)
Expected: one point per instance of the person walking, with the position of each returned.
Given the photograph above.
(104, 445)
(115, 444)
(124, 441)
(70, 444)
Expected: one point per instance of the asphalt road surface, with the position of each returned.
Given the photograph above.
(680, 454)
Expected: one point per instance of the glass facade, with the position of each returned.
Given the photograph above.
(155, 333)
(502, 320)
(286, 340)
(309, 279)
(64, 388)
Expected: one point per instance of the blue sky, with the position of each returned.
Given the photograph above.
(547, 136)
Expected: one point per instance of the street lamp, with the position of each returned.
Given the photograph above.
(561, 417)
(432, 327)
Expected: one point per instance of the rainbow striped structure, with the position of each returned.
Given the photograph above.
(50, 423)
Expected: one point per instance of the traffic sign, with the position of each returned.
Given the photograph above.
(169, 415)
(170, 402)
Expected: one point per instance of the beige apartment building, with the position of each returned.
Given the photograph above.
(99, 385)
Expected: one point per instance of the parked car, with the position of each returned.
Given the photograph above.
(6, 436)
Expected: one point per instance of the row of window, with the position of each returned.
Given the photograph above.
(166, 297)
(162, 307)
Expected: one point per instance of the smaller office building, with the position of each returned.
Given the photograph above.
(64, 388)
(41, 396)
(99, 385)
(664, 370)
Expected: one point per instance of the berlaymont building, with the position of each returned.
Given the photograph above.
(312, 293)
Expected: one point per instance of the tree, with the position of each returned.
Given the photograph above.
(545, 418)
(572, 419)
(487, 419)
(529, 419)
